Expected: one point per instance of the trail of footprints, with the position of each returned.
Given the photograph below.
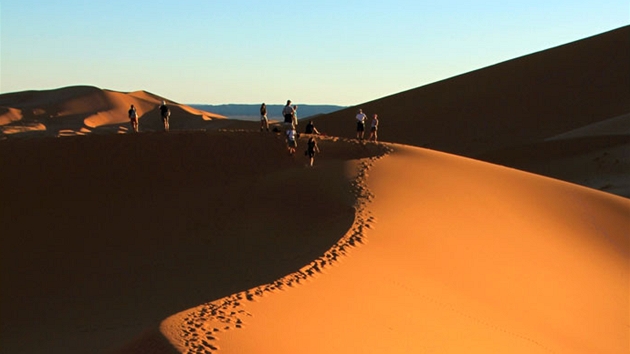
(201, 325)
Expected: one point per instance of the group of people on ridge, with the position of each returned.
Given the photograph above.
(165, 113)
(361, 119)
(290, 123)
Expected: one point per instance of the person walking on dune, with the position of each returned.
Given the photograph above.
(264, 122)
(310, 128)
(361, 117)
(133, 118)
(311, 149)
(374, 128)
(288, 112)
(165, 113)
(292, 140)
(294, 118)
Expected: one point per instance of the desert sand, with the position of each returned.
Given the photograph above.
(508, 113)
(456, 256)
(212, 238)
(80, 110)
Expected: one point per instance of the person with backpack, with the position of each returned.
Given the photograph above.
(133, 118)
(311, 149)
(165, 113)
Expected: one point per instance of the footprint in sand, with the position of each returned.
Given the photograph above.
(231, 320)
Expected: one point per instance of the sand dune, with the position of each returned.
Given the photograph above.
(107, 235)
(78, 110)
(514, 105)
(526, 99)
(610, 127)
(211, 238)
(234, 245)
(456, 256)
(9, 115)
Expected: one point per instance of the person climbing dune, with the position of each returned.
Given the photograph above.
(311, 149)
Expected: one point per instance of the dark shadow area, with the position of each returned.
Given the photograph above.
(105, 236)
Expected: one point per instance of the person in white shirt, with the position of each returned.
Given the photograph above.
(361, 117)
(292, 140)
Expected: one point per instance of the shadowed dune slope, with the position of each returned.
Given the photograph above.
(104, 236)
(458, 256)
(517, 106)
(520, 101)
(78, 110)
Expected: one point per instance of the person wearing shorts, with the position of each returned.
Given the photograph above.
(165, 112)
(291, 140)
(311, 149)
(361, 117)
(374, 128)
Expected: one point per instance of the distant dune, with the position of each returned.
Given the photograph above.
(274, 111)
(79, 110)
(212, 238)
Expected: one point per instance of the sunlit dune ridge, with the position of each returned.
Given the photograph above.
(456, 256)
(78, 110)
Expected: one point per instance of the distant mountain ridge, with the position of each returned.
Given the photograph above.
(274, 111)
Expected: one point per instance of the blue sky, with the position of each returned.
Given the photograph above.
(327, 52)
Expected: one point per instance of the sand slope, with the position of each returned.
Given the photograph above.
(104, 236)
(517, 105)
(456, 256)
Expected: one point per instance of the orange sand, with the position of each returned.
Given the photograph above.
(212, 238)
(458, 256)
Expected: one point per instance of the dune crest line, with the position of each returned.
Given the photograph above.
(202, 325)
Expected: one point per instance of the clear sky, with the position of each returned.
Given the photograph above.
(248, 51)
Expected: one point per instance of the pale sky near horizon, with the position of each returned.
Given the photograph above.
(315, 52)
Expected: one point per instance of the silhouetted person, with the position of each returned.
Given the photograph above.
(288, 112)
(133, 118)
(310, 128)
(311, 148)
(165, 113)
(264, 122)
